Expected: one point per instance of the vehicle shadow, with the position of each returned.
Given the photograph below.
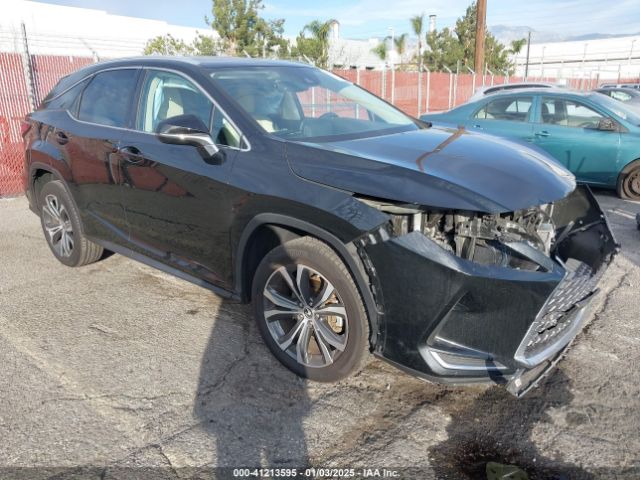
(621, 215)
(497, 427)
(251, 405)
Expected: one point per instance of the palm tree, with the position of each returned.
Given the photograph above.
(381, 50)
(515, 49)
(319, 32)
(417, 23)
(401, 45)
(516, 46)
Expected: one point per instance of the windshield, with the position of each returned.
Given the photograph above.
(622, 110)
(302, 103)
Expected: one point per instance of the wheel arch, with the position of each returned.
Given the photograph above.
(38, 170)
(623, 173)
(629, 166)
(270, 228)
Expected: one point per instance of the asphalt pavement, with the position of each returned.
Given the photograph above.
(116, 369)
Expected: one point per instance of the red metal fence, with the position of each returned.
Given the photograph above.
(46, 70)
(415, 93)
(14, 103)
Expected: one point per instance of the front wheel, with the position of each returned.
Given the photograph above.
(309, 311)
(629, 184)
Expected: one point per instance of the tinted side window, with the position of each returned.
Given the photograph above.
(68, 100)
(569, 113)
(107, 98)
(165, 95)
(515, 109)
(622, 96)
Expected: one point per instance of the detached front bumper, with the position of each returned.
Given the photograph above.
(451, 320)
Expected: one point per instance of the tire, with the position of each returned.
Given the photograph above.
(336, 345)
(629, 183)
(62, 228)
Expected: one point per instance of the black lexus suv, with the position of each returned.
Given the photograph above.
(350, 226)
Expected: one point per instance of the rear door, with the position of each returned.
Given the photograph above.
(89, 140)
(507, 116)
(177, 205)
(567, 129)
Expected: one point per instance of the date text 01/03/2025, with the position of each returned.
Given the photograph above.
(315, 472)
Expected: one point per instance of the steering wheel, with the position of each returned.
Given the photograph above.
(585, 125)
(328, 115)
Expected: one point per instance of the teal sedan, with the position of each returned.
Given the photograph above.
(592, 135)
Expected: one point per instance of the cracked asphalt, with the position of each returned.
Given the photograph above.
(120, 367)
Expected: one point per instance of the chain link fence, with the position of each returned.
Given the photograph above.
(26, 78)
(24, 82)
(14, 103)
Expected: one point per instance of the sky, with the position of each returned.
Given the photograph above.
(374, 18)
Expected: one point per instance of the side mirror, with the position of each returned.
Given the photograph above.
(190, 130)
(607, 125)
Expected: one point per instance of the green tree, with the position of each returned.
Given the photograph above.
(400, 43)
(313, 42)
(417, 24)
(167, 45)
(517, 45)
(497, 56)
(444, 50)
(207, 45)
(381, 50)
(276, 41)
(242, 29)
(447, 48)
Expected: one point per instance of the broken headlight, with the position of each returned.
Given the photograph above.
(483, 238)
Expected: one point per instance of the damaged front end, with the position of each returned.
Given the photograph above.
(472, 297)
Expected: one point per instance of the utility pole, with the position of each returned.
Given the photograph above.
(392, 49)
(28, 68)
(526, 65)
(481, 26)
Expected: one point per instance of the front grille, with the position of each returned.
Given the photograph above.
(559, 313)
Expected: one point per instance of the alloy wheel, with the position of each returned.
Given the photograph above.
(305, 315)
(58, 226)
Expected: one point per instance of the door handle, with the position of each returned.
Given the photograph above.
(542, 133)
(131, 155)
(478, 126)
(61, 137)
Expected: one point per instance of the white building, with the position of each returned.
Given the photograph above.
(61, 30)
(346, 53)
(606, 59)
(349, 53)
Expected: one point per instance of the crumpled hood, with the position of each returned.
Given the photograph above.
(437, 167)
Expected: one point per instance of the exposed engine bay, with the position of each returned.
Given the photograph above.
(479, 237)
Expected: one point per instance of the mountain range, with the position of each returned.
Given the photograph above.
(506, 34)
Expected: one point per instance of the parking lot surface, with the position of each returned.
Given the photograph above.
(118, 365)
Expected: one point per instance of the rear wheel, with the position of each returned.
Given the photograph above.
(61, 226)
(629, 183)
(309, 311)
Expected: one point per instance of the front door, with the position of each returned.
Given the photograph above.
(568, 130)
(177, 205)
